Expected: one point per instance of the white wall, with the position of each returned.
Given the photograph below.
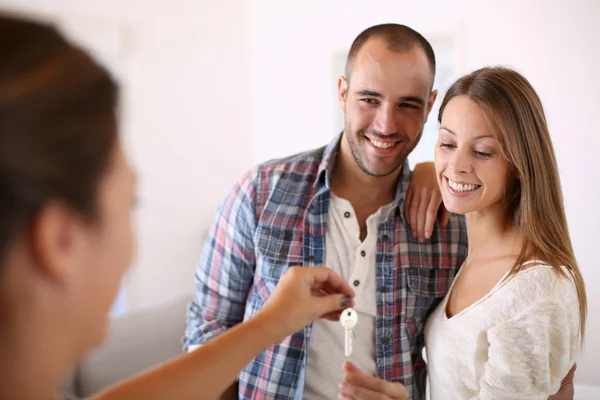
(192, 129)
(186, 122)
(556, 44)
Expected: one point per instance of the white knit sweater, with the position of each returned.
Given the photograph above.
(517, 342)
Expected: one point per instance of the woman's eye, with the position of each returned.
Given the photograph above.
(482, 154)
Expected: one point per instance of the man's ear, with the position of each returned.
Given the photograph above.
(55, 238)
(430, 102)
(342, 92)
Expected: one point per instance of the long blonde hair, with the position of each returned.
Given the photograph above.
(511, 103)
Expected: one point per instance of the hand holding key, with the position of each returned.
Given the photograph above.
(302, 295)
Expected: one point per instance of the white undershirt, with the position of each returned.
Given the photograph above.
(344, 255)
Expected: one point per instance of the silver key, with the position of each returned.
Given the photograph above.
(348, 319)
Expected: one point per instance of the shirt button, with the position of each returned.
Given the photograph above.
(363, 253)
(385, 237)
(384, 289)
(356, 282)
(347, 214)
(385, 341)
(205, 330)
(312, 258)
(282, 252)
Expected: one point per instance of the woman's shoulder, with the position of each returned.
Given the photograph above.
(547, 278)
(541, 282)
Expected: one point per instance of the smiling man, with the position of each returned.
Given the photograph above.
(338, 206)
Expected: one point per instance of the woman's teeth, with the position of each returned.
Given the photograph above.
(459, 187)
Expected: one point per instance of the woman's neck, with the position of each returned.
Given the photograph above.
(28, 372)
(492, 234)
(35, 355)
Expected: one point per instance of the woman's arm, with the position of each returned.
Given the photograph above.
(529, 355)
(208, 371)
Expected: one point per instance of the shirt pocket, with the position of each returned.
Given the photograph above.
(427, 286)
(277, 249)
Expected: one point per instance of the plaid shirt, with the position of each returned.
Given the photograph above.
(276, 217)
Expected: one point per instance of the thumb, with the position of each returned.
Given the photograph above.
(332, 302)
(349, 367)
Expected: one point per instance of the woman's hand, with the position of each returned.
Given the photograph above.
(302, 295)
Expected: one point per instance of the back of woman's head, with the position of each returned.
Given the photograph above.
(57, 125)
(512, 105)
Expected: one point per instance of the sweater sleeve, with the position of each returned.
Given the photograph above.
(528, 355)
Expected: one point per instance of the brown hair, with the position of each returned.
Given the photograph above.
(511, 103)
(399, 38)
(57, 125)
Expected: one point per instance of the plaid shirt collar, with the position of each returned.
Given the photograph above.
(327, 164)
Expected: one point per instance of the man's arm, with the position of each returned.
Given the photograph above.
(225, 272)
(567, 391)
(423, 201)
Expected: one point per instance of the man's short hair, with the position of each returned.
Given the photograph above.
(399, 38)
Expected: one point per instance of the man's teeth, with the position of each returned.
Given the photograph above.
(382, 145)
(459, 187)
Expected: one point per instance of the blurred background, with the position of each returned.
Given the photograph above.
(211, 88)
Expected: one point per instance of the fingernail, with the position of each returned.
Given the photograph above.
(345, 302)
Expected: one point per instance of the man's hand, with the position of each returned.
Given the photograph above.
(567, 391)
(357, 385)
(423, 200)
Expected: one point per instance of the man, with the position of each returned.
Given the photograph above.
(340, 206)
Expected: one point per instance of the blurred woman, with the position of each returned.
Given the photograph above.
(66, 193)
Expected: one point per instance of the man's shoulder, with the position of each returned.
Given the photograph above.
(456, 226)
(285, 180)
(454, 235)
(295, 171)
(458, 223)
(299, 162)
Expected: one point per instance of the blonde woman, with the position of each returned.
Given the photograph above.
(512, 323)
